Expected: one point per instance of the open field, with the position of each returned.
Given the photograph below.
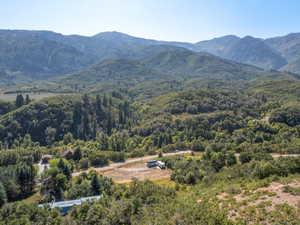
(32, 95)
(124, 172)
(137, 170)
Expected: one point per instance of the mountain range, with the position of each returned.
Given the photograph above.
(279, 53)
(39, 55)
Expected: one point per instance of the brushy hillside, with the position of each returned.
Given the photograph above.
(178, 65)
(189, 64)
(236, 135)
(116, 70)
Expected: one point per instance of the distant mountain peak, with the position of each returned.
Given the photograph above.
(221, 39)
(112, 34)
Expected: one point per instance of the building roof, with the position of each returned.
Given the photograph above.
(66, 204)
(47, 156)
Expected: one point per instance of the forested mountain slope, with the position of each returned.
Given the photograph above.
(271, 53)
(30, 55)
(174, 64)
(27, 55)
(228, 110)
(232, 130)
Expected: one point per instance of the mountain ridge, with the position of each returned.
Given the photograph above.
(30, 55)
(175, 64)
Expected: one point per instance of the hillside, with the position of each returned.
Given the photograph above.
(271, 53)
(231, 133)
(27, 55)
(174, 64)
(30, 55)
(217, 46)
(189, 64)
(121, 71)
(254, 51)
(288, 46)
(247, 50)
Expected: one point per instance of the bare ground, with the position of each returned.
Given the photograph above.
(265, 200)
(137, 170)
(275, 194)
(35, 96)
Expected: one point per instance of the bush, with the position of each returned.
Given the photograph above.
(245, 157)
(98, 159)
(84, 163)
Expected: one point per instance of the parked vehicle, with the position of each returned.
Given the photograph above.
(156, 163)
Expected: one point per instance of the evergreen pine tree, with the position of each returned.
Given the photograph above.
(76, 126)
(77, 154)
(3, 196)
(100, 115)
(105, 101)
(95, 185)
(27, 100)
(19, 100)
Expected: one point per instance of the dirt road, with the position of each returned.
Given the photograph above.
(129, 161)
(277, 155)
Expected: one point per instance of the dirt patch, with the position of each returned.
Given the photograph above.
(266, 119)
(223, 196)
(279, 196)
(274, 194)
(35, 96)
(137, 170)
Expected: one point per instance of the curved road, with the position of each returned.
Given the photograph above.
(129, 161)
(145, 158)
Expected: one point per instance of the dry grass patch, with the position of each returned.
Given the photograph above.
(138, 170)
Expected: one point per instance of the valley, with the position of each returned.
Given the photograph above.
(81, 116)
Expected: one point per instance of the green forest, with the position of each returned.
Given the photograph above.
(236, 136)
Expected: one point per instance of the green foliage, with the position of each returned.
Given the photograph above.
(19, 101)
(16, 156)
(291, 190)
(3, 196)
(18, 181)
(98, 159)
(161, 103)
(245, 157)
(24, 214)
(289, 115)
(51, 119)
(88, 185)
(6, 107)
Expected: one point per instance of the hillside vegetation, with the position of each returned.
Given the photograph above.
(30, 55)
(129, 99)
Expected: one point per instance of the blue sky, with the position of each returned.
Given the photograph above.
(173, 20)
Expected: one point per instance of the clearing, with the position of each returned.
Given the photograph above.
(123, 172)
(32, 95)
(139, 170)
